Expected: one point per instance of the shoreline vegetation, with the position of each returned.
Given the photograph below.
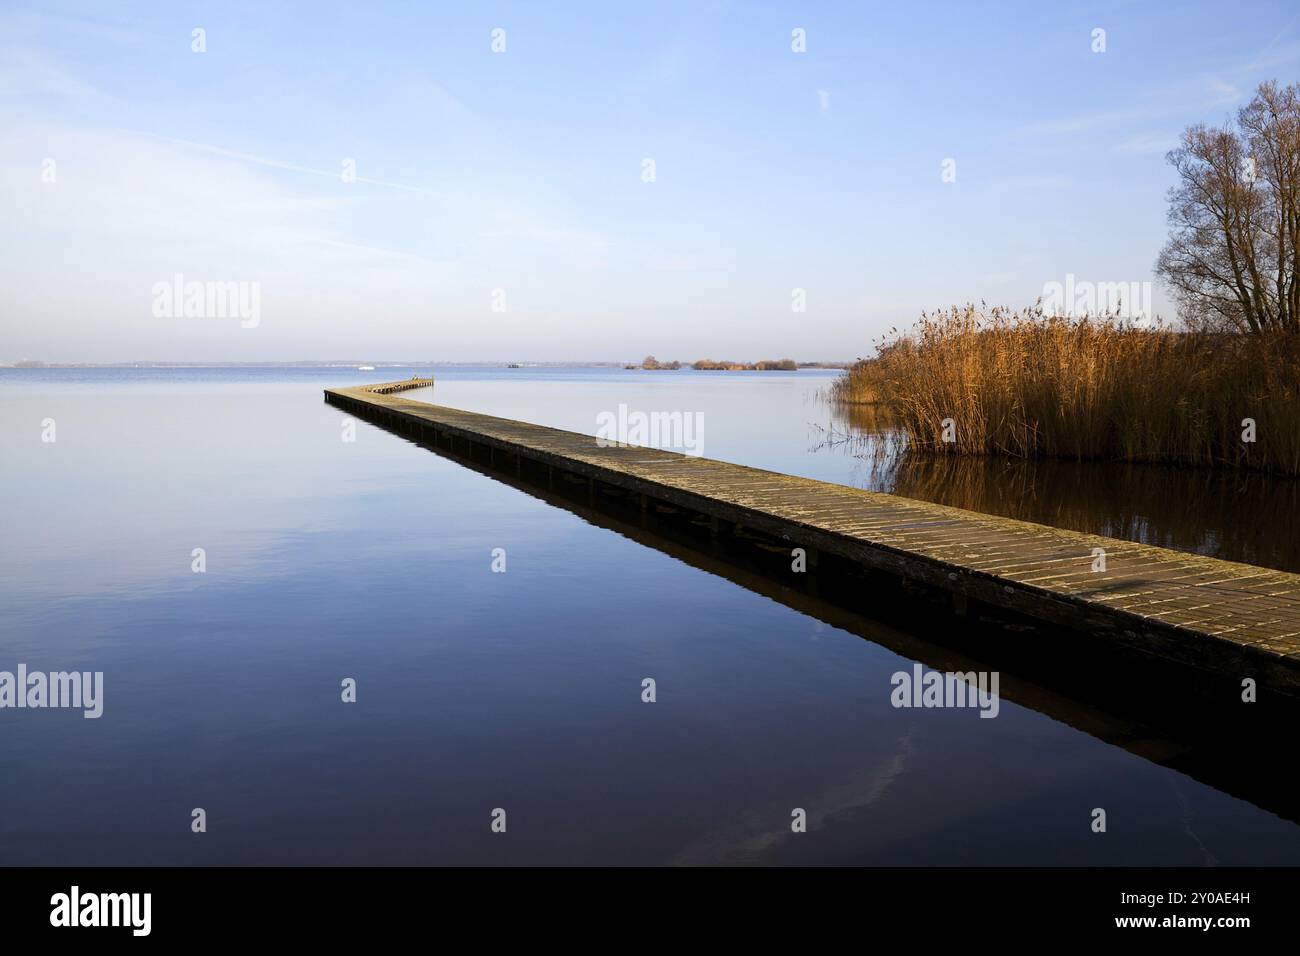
(763, 365)
(1024, 384)
(650, 363)
(1075, 380)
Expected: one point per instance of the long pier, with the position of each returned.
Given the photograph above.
(1234, 620)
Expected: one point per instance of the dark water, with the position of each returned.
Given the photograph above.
(481, 690)
(1236, 516)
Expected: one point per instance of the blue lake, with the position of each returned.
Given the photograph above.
(371, 559)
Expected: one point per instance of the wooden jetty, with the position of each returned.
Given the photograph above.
(388, 388)
(1234, 619)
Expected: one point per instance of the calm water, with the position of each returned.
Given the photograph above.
(478, 690)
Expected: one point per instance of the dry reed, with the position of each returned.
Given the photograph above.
(1028, 385)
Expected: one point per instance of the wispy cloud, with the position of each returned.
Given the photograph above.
(27, 73)
(666, 67)
(335, 174)
(1029, 184)
(1221, 92)
(1274, 55)
(1146, 143)
(1086, 122)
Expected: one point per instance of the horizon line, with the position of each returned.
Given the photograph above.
(387, 363)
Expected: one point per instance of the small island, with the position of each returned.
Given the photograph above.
(709, 365)
(653, 364)
(764, 365)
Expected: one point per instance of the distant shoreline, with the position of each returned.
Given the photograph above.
(356, 364)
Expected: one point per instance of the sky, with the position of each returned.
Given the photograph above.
(613, 180)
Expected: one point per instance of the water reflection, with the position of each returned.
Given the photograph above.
(372, 559)
(1172, 716)
(1246, 517)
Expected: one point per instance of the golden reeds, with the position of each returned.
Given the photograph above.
(1029, 385)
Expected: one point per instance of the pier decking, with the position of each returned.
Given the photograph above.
(406, 385)
(1236, 619)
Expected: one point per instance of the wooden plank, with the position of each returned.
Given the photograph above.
(388, 388)
(1194, 609)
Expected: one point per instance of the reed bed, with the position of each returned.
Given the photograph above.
(1028, 385)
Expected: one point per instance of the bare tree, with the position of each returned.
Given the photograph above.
(1233, 255)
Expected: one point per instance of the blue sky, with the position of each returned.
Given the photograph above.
(522, 171)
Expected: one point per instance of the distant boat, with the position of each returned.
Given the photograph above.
(365, 368)
(514, 365)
